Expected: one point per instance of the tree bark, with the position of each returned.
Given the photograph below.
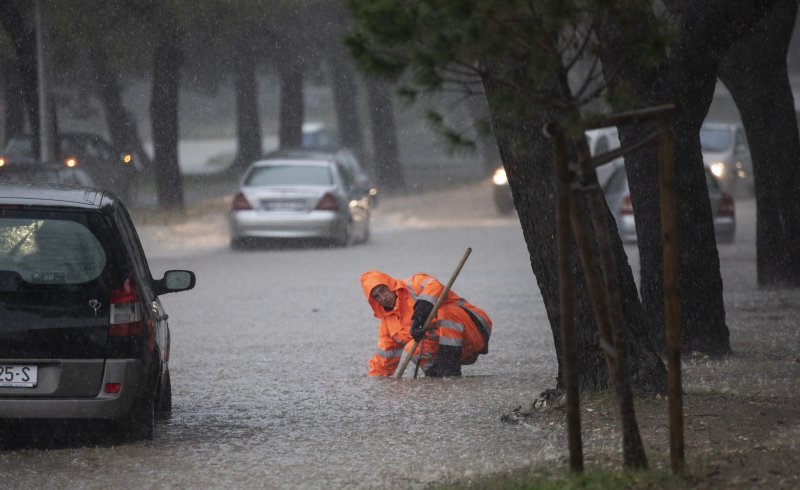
(248, 122)
(290, 125)
(755, 72)
(384, 137)
(167, 60)
(526, 155)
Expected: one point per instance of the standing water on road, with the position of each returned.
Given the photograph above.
(269, 360)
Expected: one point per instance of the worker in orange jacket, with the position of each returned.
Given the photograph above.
(457, 334)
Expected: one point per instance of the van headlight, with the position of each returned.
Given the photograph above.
(499, 177)
(717, 168)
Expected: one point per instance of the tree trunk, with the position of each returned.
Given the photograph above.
(527, 157)
(167, 60)
(290, 126)
(121, 123)
(384, 137)
(24, 45)
(755, 72)
(345, 91)
(688, 79)
(14, 103)
(248, 122)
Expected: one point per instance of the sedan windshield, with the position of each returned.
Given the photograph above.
(282, 175)
(715, 139)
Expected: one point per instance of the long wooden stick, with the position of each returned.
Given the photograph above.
(672, 313)
(408, 355)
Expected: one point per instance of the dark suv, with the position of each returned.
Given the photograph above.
(83, 334)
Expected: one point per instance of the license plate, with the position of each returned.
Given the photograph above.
(18, 375)
(283, 205)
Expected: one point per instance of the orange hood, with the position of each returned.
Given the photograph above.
(373, 278)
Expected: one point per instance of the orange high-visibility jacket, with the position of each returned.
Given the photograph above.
(394, 331)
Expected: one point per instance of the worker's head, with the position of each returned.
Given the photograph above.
(381, 291)
(383, 296)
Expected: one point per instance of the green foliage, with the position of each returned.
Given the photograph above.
(542, 54)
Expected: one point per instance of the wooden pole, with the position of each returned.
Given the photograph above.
(407, 356)
(567, 300)
(669, 238)
(633, 449)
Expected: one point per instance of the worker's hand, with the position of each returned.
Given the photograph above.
(422, 309)
(417, 331)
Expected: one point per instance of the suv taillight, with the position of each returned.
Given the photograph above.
(327, 203)
(240, 203)
(126, 312)
(726, 205)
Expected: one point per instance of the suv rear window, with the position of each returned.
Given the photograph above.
(50, 251)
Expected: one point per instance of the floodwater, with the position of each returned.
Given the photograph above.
(268, 362)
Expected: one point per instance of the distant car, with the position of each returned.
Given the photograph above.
(319, 135)
(299, 195)
(39, 172)
(727, 154)
(83, 334)
(87, 151)
(618, 197)
(599, 141)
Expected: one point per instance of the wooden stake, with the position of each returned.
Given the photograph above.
(566, 295)
(669, 238)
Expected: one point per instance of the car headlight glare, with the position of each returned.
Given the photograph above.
(717, 168)
(499, 177)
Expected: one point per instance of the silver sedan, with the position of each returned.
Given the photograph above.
(299, 198)
(618, 197)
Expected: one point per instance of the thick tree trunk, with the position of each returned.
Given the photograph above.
(384, 137)
(290, 125)
(755, 72)
(167, 59)
(527, 157)
(248, 122)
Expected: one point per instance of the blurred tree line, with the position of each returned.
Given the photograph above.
(100, 48)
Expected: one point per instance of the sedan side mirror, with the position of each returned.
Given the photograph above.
(174, 281)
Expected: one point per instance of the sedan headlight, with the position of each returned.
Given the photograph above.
(717, 168)
(499, 177)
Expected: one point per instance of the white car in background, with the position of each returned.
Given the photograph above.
(727, 154)
(599, 141)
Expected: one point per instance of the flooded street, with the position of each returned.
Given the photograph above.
(269, 360)
(269, 356)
